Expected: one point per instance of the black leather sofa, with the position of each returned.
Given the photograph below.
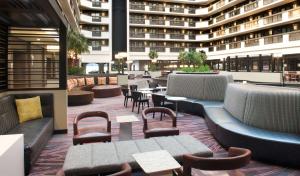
(36, 132)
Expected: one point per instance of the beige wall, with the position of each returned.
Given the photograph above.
(60, 105)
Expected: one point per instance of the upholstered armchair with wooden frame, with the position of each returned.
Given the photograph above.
(80, 137)
(237, 158)
(156, 132)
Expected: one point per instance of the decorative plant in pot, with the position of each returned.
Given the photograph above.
(153, 55)
(194, 60)
(76, 44)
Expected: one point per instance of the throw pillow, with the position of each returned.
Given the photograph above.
(29, 109)
(113, 80)
(101, 80)
(81, 82)
(89, 81)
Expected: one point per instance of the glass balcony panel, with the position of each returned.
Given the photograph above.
(137, 20)
(221, 47)
(96, 18)
(158, 8)
(192, 36)
(176, 36)
(211, 49)
(176, 50)
(211, 35)
(176, 23)
(96, 33)
(137, 49)
(235, 29)
(220, 33)
(96, 4)
(155, 35)
(251, 6)
(234, 12)
(210, 8)
(294, 13)
(293, 36)
(210, 22)
(235, 45)
(157, 21)
(137, 35)
(220, 4)
(96, 48)
(177, 9)
(273, 39)
(251, 24)
(192, 23)
(192, 10)
(251, 42)
(273, 19)
(137, 6)
(158, 48)
(266, 2)
(220, 18)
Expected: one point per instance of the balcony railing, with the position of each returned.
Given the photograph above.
(273, 39)
(177, 9)
(176, 50)
(96, 48)
(192, 10)
(210, 22)
(211, 35)
(176, 23)
(221, 47)
(220, 33)
(210, 8)
(156, 35)
(96, 33)
(176, 36)
(137, 35)
(96, 4)
(273, 19)
(157, 22)
(294, 13)
(266, 2)
(96, 18)
(251, 6)
(192, 23)
(220, 18)
(251, 42)
(137, 20)
(251, 24)
(157, 8)
(293, 36)
(234, 12)
(220, 4)
(158, 48)
(234, 45)
(192, 36)
(211, 49)
(234, 29)
(137, 6)
(137, 49)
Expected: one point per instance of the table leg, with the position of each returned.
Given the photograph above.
(125, 131)
(176, 108)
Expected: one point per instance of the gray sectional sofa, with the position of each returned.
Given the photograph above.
(264, 119)
(36, 132)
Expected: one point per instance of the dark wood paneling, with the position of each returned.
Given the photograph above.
(3, 57)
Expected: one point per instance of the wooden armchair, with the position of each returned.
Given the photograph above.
(81, 137)
(237, 158)
(156, 132)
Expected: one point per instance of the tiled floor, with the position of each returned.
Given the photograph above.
(52, 156)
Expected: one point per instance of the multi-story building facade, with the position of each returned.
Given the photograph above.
(96, 26)
(236, 34)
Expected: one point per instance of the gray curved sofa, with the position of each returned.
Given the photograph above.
(264, 119)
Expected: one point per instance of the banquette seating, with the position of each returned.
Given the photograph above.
(264, 119)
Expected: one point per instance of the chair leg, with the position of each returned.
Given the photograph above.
(161, 114)
(133, 105)
(148, 103)
(153, 115)
(139, 107)
(126, 102)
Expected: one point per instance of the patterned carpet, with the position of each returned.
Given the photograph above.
(52, 156)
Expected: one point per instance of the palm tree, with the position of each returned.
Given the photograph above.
(153, 55)
(182, 57)
(76, 43)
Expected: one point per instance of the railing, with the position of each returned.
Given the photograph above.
(266, 2)
(273, 19)
(192, 23)
(251, 42)
(192, 36)
(137, 20)
(157, 22)
(234, 45)
(96, 4)
(96, 18)
(294, 13)
(158, 48)
(137, 6)
(220, 32)
(220, 4)
(176, 36)
(211, 35)
(176, 50)
(155, 35)
(210, 22)
(157, 8)
(234, 12)
(251, 6)
(210, 8)
(137, 35)
(293, 36)
(273, 39)
(192, 10)
(251, 24)
(211, 49)
(220, 18)
(177, 9)
(137, 49)
(177, 23)
(234, 29)
(221, 47)
(96, 33)
(96, 48)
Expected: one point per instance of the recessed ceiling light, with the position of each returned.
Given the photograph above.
(38, 39)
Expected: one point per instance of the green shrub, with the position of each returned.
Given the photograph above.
(202, 68)
(76, 71)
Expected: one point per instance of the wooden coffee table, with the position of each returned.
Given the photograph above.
(157, 163)
(106, 91)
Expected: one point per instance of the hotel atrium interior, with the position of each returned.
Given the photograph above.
(150, 87)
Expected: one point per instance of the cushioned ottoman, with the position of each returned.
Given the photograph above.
(106, 157)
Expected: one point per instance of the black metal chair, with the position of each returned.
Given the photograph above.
(159, 101)
(133, 87)
(138, 99)
(127, 96)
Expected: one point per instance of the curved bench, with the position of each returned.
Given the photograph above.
(264, 119)
(80, 97)
(106, 91)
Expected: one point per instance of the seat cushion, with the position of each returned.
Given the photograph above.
(219, 115)
(206, 103)
(36, 134)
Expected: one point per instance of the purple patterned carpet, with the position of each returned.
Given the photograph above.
(52, 156)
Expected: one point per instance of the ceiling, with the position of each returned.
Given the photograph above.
(30, 13)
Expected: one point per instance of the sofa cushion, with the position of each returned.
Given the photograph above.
(29, 109)
(101, 80)
(90, 81)
(8, 114)
(235, 100)
(113, 80)
(219, 115)
(206, 103)
(215, 87)
(81, 82)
